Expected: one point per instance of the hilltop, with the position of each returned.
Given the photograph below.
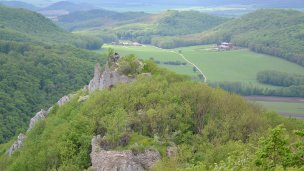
(19, 4)
(31, 25)
(159, 120)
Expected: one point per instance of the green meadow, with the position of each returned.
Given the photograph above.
(240, 65)
(285, 108)
(162, 55)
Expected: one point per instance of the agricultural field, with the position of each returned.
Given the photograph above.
(240, 65)
(161, 55)
(288, 109)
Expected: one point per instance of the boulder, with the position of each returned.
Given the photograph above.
(103, 160)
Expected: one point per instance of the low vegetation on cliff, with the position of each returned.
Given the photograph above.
(210, 128)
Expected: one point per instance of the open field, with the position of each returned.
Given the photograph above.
(287, 106)
(234, 66)
(287, 109)
(237, 65)
(148, 52)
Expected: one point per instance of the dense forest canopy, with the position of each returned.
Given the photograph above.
(98, 18)
(39, 63)
(139, 26)
(32, 24)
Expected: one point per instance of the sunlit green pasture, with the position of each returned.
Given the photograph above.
(240, 65)
(285, 108)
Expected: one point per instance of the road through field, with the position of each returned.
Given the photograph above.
(205, 78)
(184, 58)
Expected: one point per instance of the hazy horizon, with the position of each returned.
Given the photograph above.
(176, 3)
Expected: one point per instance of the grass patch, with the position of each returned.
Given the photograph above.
(284, 107)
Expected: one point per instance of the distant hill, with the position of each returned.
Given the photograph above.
(69, 6)
(275, 32)
(19, 4)
(139, 26)
(169, 23)
(98, 18)
(32, 25)
(174, 3)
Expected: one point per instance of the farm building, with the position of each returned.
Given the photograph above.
(225, 46)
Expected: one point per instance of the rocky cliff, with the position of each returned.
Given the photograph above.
(101, 80)
(103, 160)
(39, 116)
(107, 78)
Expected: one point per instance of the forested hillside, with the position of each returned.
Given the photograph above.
(24, 25)
(170, 23)
(138, 26)
(98, 18)
(39, 63)
(209, 129)
(32, 25)
(275, 32)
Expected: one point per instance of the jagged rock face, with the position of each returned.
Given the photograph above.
(16, 145)
(106, 79)
(63, 100)
(39, 116)
(121, 160)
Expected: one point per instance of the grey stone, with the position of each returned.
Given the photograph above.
(63, 100)
(16, 145)
(39, 116)
(106, 79)
(121, 160)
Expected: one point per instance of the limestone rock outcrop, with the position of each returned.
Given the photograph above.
(106, 79)
(42, 114)
(39, 116)
(121, 160)
(16, 145)
(101, 80)
(63, 100)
